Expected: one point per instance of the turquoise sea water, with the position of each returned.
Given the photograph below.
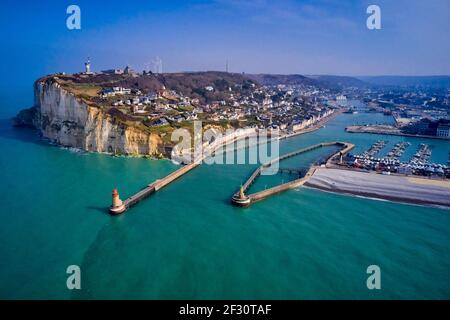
(188, 242)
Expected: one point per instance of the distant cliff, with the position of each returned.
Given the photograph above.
(72, 121)
(409, 81)
(320, 81)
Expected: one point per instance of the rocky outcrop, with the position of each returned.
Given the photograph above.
(71, 121)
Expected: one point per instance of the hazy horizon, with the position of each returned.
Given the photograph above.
(311, 75)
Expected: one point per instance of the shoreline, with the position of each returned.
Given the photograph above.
(378, 198)
(315, 127)
(162, 156)
(402, 189)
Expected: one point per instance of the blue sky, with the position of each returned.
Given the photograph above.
(256, 36)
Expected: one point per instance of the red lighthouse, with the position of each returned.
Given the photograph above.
(117, 206)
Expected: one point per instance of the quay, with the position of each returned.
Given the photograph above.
(243, 200)
(388, 130)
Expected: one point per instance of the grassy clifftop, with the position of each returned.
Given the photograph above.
(189, 84)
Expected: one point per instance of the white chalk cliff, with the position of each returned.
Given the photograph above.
(71, 121)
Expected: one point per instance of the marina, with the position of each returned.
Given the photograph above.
(398, 150)
(374, 149)
(418, 165)
(422, 155)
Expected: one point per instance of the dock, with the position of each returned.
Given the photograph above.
(243, 200)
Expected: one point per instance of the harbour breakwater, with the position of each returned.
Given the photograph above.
(239, 198)
(242, 200)
(119, 207)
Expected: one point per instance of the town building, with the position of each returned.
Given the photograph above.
(443, 130)
(113, 71)
(111, 92)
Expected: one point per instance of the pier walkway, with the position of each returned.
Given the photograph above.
(158, 184)
(240, 199)
(161, 183)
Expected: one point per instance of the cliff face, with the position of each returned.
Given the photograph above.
(69, 121)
